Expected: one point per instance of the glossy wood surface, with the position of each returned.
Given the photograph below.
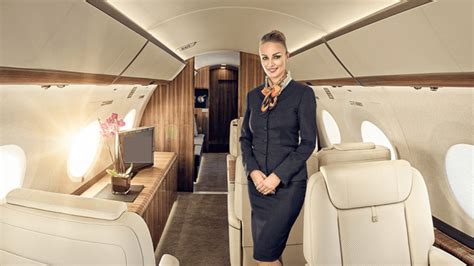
(251, 75)
(171, 110)
(156, 199)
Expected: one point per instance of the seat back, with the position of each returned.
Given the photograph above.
(45, 228)
(367, 213)
(352, 152)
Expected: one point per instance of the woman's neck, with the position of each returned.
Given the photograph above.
(278, 79)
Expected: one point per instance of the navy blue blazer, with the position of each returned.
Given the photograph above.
(270, 140)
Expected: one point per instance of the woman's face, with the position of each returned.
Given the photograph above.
(273, 57)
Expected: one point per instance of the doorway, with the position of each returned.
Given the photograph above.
(223, 105)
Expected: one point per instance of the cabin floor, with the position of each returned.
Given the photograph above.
(197, 230)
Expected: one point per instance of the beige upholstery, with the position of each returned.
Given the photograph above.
(352, 152)
(39, 228)
(168, 260)
(369, 213)
(239, 210)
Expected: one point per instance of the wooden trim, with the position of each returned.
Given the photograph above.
(89, 183)
(331, 82)
(465, 79)
(387, 12)
(114, 13)
(12, 75)
(141, 81)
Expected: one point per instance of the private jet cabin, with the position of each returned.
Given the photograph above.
(394, 86)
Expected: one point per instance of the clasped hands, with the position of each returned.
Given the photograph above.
(265, 184)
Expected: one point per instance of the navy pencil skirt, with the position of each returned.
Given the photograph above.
(272, 218)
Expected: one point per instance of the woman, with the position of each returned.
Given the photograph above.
(278, 113)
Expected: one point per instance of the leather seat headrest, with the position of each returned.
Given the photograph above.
(356, 185)
(66, 204)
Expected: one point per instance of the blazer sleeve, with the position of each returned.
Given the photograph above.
(307, 123)
(246, 137)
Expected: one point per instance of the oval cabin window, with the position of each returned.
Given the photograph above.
(372, 133)
(12, 167)
(459, 168)
(83, 151)
(331, 128)
(129, 120)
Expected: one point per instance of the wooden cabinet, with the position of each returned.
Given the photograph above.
(155, 201)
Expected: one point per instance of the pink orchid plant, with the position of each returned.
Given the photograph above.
(111, 128)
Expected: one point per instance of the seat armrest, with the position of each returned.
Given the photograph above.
(168, 260)
(440, 257)
(233, 220)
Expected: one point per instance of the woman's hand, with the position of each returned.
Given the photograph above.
(257, 177)
(269, 184)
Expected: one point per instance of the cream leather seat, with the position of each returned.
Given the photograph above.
(370, 213)
(239, 210)
(44, 228)
(347, 152)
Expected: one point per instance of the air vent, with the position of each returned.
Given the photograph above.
(356, 103)
(186, 46)
(132, 92)
(106, 102)
(328, 92)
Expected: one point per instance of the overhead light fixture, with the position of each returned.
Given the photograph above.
(186, 46)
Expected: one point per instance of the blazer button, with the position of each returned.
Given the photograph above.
(265, 128)
(265, 140)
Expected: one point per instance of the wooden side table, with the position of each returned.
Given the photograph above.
(155, 201)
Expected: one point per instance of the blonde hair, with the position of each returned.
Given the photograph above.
(274, 36)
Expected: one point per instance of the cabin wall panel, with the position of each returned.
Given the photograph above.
(251, 75)
(170, 110)
(421, 125)
(201, 79)
(65, 35)
(402, 44)
(44, 122)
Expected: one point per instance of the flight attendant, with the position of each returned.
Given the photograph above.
(278, 114)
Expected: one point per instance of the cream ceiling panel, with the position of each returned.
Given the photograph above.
(215, 58)
(26, 27)
(154, 63)
(453, 22)
(236, 29)
(327, 15)
(69, 35)
(403, 44)
(171, 21)
(316, 63)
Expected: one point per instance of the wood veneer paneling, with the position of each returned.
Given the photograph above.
(171, 111)
(201, 80)
(251, 75)
(11, 75)
(223, 102)
(422, 80)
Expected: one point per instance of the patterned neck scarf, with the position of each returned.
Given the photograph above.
(271, 91)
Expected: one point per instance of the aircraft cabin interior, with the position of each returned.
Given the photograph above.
(124, 131)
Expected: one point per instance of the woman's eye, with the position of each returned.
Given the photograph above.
(277, 56)
(264, 58)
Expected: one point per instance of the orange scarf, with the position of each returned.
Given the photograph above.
(271, 93)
